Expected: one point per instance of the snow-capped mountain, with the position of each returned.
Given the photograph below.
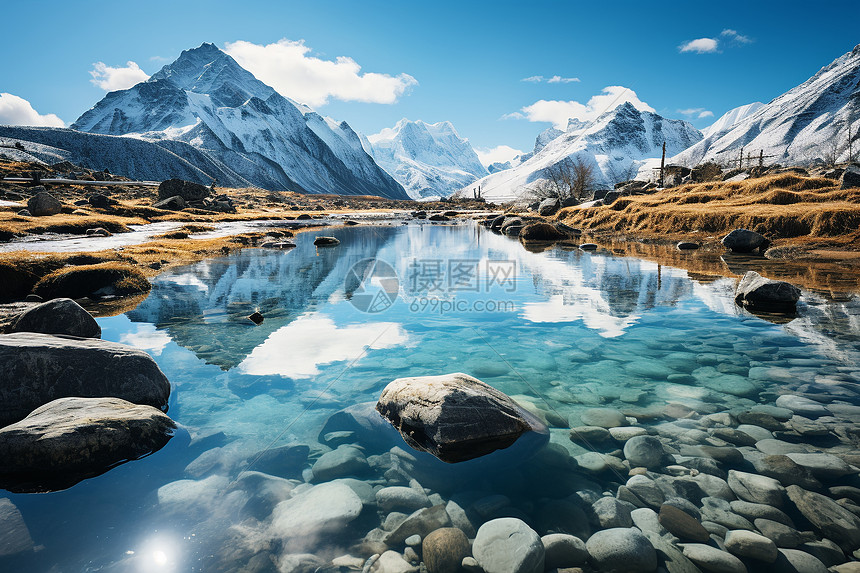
(207, 100)
(428, 159)
(731, 117)
(806, 123)
(614, 144)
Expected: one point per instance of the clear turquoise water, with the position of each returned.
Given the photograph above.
(572, 330)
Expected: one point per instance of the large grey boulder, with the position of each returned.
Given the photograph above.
(43, 204)
(644, 451)
(186, 189)
(316, 511)
(444, 549)
(621, 550)
(70, 439)
(455, 417)
(508, 545)
(745, 241)
(58, 316)
(38, 368)
(756, 291)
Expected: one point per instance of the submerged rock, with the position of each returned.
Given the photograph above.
(828, 517)
(71, 439)
(58, 316)
(444, 550)
(326, 241)
(622, 550)
(508, 545)
(14, 535)
(455, 417)
(38, 368)
(315, 512)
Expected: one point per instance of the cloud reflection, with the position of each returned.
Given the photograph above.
(147, 338)
(297, 349)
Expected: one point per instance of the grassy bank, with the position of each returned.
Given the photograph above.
(801, 215)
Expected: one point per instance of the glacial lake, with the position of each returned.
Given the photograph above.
(561, 331)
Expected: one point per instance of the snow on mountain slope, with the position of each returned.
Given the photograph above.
(207, 100)
(806, 123)
(428, 159)
(614, 144)
(133, 158)
(541, 141)
(731, 117)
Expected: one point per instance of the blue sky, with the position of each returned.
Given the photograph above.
(459, 61)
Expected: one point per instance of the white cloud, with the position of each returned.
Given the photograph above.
(700, 46)
(698, 112)
(16, 110)
(112, 79)
(550, 80)
(558, 112)
(737, 37)
(500, 153)
(158, 59)
(288, 67)
(298, 349)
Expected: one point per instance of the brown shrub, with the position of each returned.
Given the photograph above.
(110, 278)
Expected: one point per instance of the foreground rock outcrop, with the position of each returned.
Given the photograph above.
(38, 368)
(71, 439)
(455, 417)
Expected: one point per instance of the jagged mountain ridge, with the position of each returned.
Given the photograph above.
(807, 123)
(614, 144)
(205, 99)
(428, 159)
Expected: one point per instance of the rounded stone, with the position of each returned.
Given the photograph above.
(645, 451)
(603, 417)
(682, 525)
(749, 544)
(563, 550)
(508, 545)
(712, 559)
(444, 549)
(621, 550)
(58, 316)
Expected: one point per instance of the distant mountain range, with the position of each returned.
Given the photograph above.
(428, 159)
(613, 144)
(805, 124)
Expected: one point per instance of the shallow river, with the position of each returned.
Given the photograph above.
(562, 331)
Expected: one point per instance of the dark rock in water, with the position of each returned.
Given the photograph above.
(744, 241)
(511, 222)
(455, 417)
(687, 246)
(622, 549)
(14, 535)
(828, 517)
(303, 217)
(513, 230)
(850, 178)
(278, 245)
(541, 232)
(438, 217)
(496, 224)
(98, 232)
(548, 207)
(256, 317)
(370, 429)
(174, 203)
(38, 368)
(682, 525)
(326, 241)
(58, 316)
(350, 223)
(563, 550)
(444, 549)
(755, 291)
(43, 204)
(588, 247)
(284, 461)
(71, 439)
(186, 189)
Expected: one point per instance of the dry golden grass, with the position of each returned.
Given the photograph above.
(116, 278)
(784, 206)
